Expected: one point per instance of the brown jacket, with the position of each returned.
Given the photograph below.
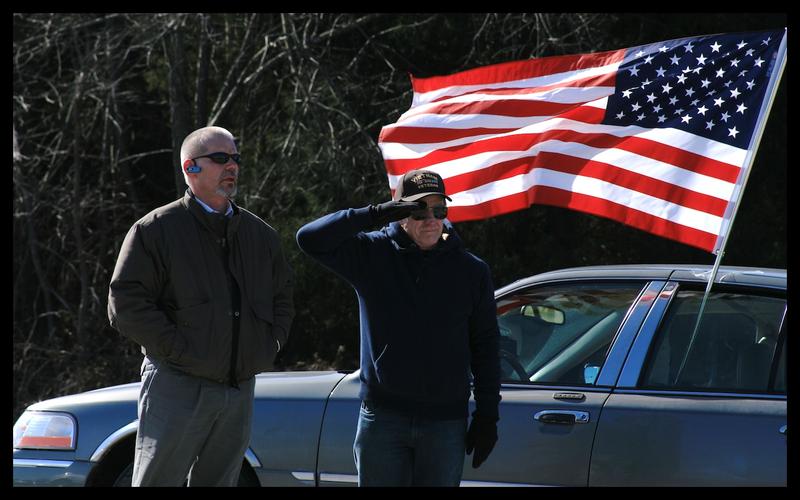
(170, 294)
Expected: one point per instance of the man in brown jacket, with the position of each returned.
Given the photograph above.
(203, 286)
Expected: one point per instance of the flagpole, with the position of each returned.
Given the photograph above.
(733, 208)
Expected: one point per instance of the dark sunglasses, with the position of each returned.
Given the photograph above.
(439, 212)
(221, 158)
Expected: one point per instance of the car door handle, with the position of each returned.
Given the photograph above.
(782, 430)
(567, 417)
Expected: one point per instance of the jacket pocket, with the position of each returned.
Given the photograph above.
(261, 345)
(191, 350)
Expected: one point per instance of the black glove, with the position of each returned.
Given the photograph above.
(481, 437)
(394, 210)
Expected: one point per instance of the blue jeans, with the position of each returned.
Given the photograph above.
(392, 449)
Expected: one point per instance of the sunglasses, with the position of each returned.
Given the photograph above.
(439, 212)
(222, 158)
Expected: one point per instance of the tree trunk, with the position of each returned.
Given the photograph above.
(203, 60)
(179, 101)
(77, 211)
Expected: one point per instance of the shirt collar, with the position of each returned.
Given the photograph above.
(211, 210)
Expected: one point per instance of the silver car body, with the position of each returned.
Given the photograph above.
(612, 432)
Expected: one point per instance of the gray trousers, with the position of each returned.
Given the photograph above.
(192, 427)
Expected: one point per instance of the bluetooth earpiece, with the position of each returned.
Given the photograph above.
(191, 168)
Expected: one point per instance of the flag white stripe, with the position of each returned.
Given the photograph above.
(626, 160)
(668, 136)
(462, 121)
(539, 81)
(591, 187)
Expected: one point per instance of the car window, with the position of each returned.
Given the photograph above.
(560, 334)
(733, 349)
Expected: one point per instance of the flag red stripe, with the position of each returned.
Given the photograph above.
(545, 195)
(504, 107)
(425, 135)
(587, 168)
(521, 142)
(518, 70)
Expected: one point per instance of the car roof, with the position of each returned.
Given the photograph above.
(753, 276)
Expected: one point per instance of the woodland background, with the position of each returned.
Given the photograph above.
(102, 102)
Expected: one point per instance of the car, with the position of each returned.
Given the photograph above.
(606, 381)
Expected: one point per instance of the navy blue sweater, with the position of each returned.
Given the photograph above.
(427, 317)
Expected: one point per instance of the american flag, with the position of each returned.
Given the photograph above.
(655, 136)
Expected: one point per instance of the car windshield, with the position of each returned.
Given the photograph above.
(568, 342)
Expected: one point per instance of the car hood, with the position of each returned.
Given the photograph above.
(290, 385)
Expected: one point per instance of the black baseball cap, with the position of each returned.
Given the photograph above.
(418, 184)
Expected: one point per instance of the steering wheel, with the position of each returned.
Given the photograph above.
(512, 360)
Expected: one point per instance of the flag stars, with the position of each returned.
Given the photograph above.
(700, 81)
(766, 42)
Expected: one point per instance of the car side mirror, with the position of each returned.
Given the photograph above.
(590, 373)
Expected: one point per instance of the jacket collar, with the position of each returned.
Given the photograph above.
(189, 202)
